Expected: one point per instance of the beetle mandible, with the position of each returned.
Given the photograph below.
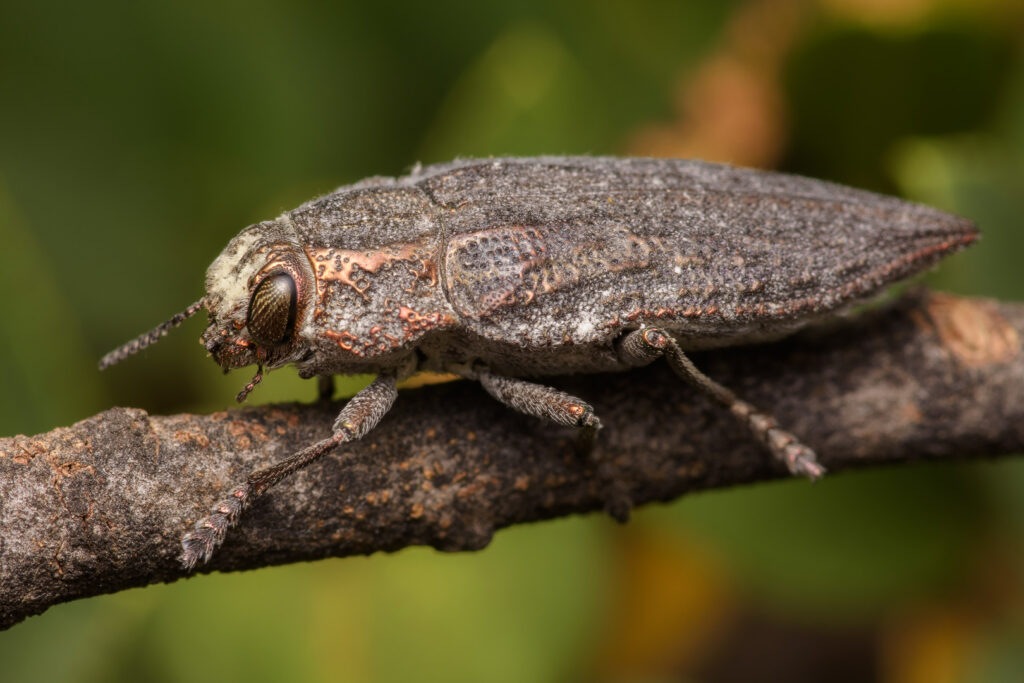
(500, 270)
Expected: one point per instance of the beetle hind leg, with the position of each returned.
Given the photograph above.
(640, 347)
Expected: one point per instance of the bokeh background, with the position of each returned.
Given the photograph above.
(137, 138)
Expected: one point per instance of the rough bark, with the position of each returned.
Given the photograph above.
(101, 505)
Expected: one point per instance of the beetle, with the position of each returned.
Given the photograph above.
(505, 270)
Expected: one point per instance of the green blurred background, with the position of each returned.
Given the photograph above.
(137, 138)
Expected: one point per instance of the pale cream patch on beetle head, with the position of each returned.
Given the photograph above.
(259, 250)
(228, 277)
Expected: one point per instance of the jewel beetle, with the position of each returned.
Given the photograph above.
(506, 270)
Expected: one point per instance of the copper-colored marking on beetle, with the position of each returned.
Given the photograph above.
(419, 322)
(427, 271)
(380, 340)
(655, 338)
(345, 340)
(279, 257)
(393, 342)
(338, 265)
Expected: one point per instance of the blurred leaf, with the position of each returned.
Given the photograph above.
(47, 373)
(845, 547)
(89, 634)
(523, 610)
(522, 96)
(673, 600)
(980, 176)
(853, 93)
(1000, 658)
(929, 644)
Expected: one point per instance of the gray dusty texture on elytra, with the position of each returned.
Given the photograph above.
(536, 266)
(100, 506)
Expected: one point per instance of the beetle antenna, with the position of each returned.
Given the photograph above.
(151, 337)
(247, 389)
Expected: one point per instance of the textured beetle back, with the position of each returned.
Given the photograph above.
(553, 251)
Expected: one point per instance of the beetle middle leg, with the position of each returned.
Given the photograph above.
(642, 346)
(361, 414)
(544, 402)
(552, 405)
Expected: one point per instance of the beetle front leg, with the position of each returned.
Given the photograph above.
(642, 346)
(325, 387)
(359, 416)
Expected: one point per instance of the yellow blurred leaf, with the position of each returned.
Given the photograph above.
(672, 600)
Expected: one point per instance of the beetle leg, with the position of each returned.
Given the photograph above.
(556, 406)
(325, 387)
(544, 402)
(361, 414)
(640, 347)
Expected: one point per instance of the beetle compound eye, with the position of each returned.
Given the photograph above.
(272, 308)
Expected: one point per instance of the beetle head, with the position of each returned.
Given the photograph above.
(256, 296)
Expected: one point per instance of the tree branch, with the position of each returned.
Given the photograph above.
(101, 506)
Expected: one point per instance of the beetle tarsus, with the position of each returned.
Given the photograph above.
(199, 544)
(586, 436)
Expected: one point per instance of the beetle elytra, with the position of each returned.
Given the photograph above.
(502, 270)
